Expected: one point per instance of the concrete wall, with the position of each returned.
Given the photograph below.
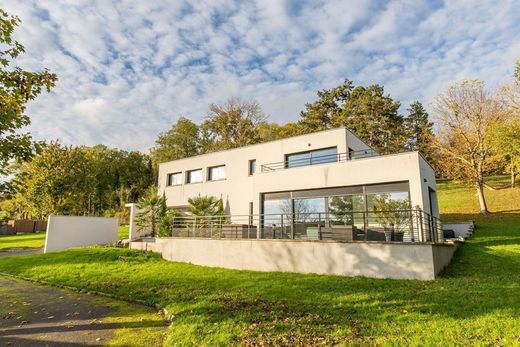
(70, 231)
(134, 231)
(239, 189)
(373, 259)
(442, 255)
(146, 246)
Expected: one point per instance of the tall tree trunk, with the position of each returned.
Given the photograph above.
(479, 184)
(513, 177)
(482, 199)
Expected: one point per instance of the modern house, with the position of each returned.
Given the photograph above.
(323, 203)
(301, 176)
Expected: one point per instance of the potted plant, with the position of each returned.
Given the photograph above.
(394, 216)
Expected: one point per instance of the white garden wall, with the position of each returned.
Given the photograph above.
(370, 259)
(71, 231)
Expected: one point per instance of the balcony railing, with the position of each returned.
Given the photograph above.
(323, 159)
(385, 226)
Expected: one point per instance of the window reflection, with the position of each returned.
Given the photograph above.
(319, 156)
(343, 213)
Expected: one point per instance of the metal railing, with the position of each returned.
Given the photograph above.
(386, 226)
(322, 159)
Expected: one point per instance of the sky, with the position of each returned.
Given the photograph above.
(129, 69)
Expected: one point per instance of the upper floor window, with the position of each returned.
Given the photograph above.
(318, 156)
(174, 179)
(252, 167)
(216, 173)
(194, 176)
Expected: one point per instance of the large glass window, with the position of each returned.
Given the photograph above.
(346, 209)
(194, 176)
(174, 179)
(388, 211)
(319, 156)
(340, 213)
(327, 155)
(216, 173)
(277, 218)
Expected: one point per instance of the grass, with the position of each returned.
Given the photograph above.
(476, 301)
(33, 240)
(122, 232)
(458, 199)
(37, 240)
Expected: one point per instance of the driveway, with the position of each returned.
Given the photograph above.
(35, 315)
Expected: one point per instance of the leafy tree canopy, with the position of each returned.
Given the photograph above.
(17, 88)
(181, 141)
(78, 181)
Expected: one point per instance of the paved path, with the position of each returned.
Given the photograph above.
(10, 252)
(34, 315)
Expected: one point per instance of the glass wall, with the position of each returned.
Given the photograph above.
(344, 213)
(277, 218)
(347, 210)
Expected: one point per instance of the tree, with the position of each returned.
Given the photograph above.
(78, 181)
(466, 112)
(325, 111)
(418, 129)
(235, 124)
(57, 181)
(17, 88)
(205, 206)
(505, 139)
(367, 111)
(374, 118)
(181, 141)
(288, 130)
(151, 211)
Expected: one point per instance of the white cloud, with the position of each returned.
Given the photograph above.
(128, 69)
(92, 109)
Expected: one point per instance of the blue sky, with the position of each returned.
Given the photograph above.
(128, 69)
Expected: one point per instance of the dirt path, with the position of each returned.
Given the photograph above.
(34, 315)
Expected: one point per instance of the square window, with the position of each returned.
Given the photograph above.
(216, 173)
(174, 179)
(194, 176)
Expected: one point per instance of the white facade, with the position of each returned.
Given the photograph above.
(243, 193)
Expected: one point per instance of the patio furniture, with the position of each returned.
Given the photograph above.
(339, 233)
(238, 231)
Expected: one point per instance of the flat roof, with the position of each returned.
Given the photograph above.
(342, 128)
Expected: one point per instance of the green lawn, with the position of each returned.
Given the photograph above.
(476, 301)
(33, 240)
(458, 200)
(122, 232)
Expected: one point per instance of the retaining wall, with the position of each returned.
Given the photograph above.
(371, 259)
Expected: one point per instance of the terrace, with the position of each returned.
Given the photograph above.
(410, 226)
(313, 158)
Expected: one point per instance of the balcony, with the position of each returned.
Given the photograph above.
(317, 160)
(409, 226)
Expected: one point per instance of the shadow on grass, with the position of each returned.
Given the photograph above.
(71, 328)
